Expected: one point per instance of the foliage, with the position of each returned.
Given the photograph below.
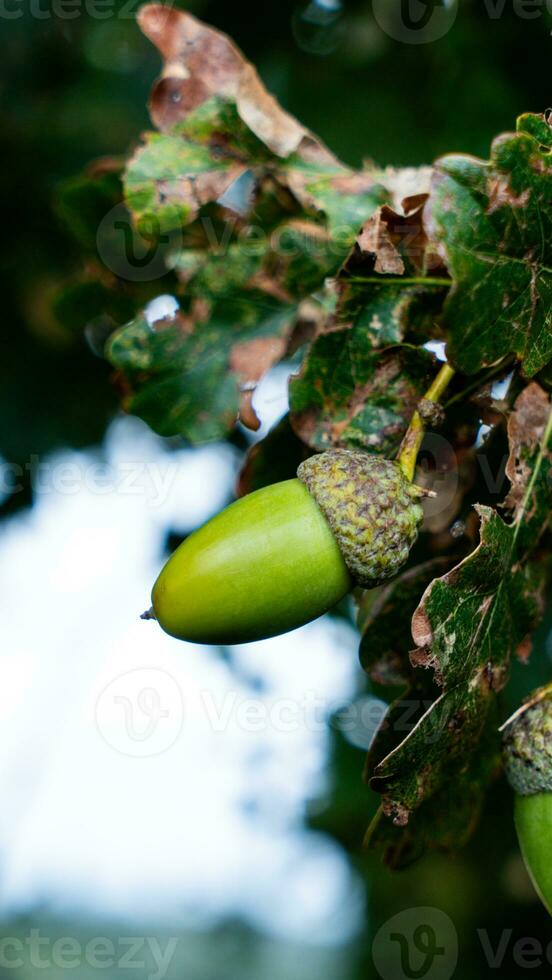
(274, 248)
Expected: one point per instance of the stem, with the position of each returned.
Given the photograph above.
(401, 280)
(410, 446)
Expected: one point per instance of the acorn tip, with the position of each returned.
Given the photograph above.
(148, 614)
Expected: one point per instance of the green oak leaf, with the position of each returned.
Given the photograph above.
(393, 310)
(240, 227)
(347, 198)
(220, 272)
(175, 176)
(301, 255)
(449, 817)
(185, 377)
(494, 222)
(103, 292)
(351, 395)
(169, 179)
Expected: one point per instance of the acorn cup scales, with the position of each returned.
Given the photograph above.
(371, 507)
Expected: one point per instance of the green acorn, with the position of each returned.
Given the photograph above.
(528, 764)
(287, 553)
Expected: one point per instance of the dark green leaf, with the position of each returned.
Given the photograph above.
(185, 375)
(494, 220)
(348, 394)
(448, 818)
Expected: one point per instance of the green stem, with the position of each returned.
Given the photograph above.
(410, 446)
(401, 280)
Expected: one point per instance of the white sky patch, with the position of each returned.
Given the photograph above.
(499, 389)
(332, 5)
(271, 399)
(482, 434)
(238, 196)
(160, 308)
(143, 776)
(437, 347)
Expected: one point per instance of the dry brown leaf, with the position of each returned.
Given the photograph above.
(201, 62)
(398, 241)
(375, 239)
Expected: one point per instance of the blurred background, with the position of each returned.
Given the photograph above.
(182, 811)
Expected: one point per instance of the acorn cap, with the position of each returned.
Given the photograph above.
(371, 507)
(527, 746)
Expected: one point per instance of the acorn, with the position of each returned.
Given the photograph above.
(527, 751)
(284, 555)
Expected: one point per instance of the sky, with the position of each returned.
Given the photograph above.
(142, 776)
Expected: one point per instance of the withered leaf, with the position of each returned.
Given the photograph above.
(200, 62)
